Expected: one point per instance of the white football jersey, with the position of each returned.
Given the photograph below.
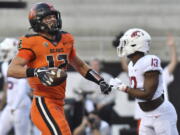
(17, 89)
(167, 79)
(136, 73)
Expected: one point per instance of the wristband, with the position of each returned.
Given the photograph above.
(30, 72)
(126, 90)
(93, 76)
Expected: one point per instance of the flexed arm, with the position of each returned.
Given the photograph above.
(173, 54)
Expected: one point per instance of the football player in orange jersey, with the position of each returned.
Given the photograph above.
(49, 47)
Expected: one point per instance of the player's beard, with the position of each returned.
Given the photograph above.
(53, 29)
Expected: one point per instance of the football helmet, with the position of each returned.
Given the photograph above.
(40, 11)
(134, 40)
(8, 49)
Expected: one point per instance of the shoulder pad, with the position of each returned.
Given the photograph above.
(31, 35)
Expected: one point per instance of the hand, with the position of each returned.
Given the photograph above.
(43, 75)
(105, 88)
(170, 40)
(118, 84)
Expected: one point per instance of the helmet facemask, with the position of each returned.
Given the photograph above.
(49, 27)
(38, 13)
(134, 40)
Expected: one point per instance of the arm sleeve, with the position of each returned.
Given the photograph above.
(25, 54)
(70, 40)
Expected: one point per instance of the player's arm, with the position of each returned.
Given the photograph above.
(85, 70)
(173, 55)
(151, 80)
(89, 74)
(17, 68)
(79, 65)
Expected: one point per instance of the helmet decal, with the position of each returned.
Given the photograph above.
(136, 34)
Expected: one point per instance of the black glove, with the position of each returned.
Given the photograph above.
(105, 88)
(42, 74)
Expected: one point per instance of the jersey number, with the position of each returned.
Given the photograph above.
(61, 58)
(133, 82)
(154, 62)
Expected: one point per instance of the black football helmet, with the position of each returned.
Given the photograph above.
(38, 12)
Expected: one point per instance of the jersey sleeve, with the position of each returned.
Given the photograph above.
(73, 53)
(24, 49)
(152, 63)
(70, 40)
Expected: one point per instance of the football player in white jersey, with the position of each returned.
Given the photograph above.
(167, 73)
(16, 112)
(145, 73)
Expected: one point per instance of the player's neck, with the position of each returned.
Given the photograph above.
(135, 57)
(48, 36)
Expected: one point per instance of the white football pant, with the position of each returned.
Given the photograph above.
(19, 120)
(162, 124)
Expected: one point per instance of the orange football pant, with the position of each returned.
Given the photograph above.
(48, 116)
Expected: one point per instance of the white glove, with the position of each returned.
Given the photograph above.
(115, 82)
(118, 84)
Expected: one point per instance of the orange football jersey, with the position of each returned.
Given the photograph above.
(41, 52)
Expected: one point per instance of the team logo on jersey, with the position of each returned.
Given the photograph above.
(20, 44)
(57, 50)
(46, 44)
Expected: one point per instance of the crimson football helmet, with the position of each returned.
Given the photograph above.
(134, 40)
(40, 11)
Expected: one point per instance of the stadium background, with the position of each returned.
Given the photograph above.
(95, 23)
